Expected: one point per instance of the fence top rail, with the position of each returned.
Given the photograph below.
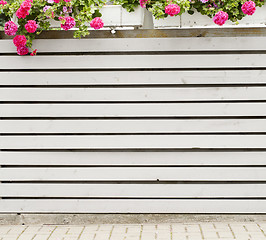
(157, 33)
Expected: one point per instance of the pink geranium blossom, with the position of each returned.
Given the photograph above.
(220, 18)
(67, 22)
(34, 52)
(19, 40)
(22, 50)
(24, 9)
(249, 8)
(20, 13)
(142, 3)
(3, 3)
(10, 28)
(172, 9)
(31, 26)
(97, 23)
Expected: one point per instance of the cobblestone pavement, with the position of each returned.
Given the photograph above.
(189, 231)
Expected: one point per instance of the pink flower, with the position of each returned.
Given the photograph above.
(26, 5)
(67, 0)
(220, 18)
(142, 3)
(56, 1)
(249, 8)
(97, 23)
(31, 26)
(10, 28)
(22, 50)
(20, 13)
(68, 23)
(3, 3)
(34, 53)
(172, 9)
(24, 9)
(19, 40)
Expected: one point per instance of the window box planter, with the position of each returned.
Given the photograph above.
(116, 16)
(198, 20)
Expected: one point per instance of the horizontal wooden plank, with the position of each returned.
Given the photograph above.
(132, 158)
(132, 206)
(132, 94)
(135, 142)
(134, 61)
(158, 33)
(134, 110)
(132, 78)
(133, 190)
(142, 44)
(134, 126)
(134, 174)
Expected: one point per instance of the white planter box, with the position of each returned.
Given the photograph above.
(198, 20)
(116, 16)
(169, 22)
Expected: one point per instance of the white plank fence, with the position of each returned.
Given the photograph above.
(134, 125)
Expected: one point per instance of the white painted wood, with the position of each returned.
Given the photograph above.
(134, 142)
(132, 206)
(168, 22)
(134, 110)
(134, 126)
(134, 61)
(143, 44)
(132, 94)
(133, 190)
(133, 78)
(161, 151)
(135, 18)
(157, 158)
(134, 174)
(112, 15)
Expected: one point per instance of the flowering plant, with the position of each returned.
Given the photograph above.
(159, 8)
(219, 10)
(23, 19)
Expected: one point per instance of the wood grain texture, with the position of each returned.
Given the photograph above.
(174, 61)
(133, 126)
(133, 190)
(135, 174)
(135, 110)
(117, 78)
(135, 142)
(132, 206)
(132, 94)
(157, 158)
(143, 45)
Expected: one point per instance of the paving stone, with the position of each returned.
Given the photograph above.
(186, 231)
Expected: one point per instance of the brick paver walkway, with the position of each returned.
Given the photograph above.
(197, 231)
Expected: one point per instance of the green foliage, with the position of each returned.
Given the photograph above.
(129, 5)
(231, 7)
(156, 7)
(3, 19)
(83, 11)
